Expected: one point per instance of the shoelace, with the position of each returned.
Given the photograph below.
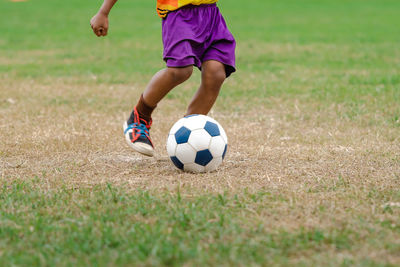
(140, 128)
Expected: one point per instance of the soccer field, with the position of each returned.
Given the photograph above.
(312, 172)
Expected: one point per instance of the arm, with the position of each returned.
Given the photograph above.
(99, 22)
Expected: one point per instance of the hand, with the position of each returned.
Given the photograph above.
(99, 24)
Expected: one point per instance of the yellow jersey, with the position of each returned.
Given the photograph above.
(165, 6)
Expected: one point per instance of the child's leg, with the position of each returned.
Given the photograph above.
(212, 77)
(159, 86)
(136, 128)
(163, 82)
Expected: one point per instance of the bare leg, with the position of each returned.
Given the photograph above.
(212, 77)
(163, 82)
(136, 128)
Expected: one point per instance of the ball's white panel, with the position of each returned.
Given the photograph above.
(193, 167)
(185, 153)
(217, 146)
(171, 145)
(199, 139)
(195, 122)
(214, 164)
(177, 126)
(223, 134)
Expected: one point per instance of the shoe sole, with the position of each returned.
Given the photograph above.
(142, 148)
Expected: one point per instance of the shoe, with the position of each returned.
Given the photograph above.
(137, 134)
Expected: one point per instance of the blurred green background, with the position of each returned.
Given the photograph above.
(334, 52)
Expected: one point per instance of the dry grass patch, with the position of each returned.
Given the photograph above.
(285, 146)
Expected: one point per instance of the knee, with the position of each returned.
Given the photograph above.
(179, 75)
(214, 73)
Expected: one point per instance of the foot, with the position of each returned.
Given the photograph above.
(136, 131)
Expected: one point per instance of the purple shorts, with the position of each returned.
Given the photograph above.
(194, 34)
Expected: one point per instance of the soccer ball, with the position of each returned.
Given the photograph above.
(197, 143)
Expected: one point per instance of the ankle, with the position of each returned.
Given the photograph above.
(144, 109)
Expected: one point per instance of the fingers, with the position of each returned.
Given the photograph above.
(99, 24)
(103, 31)
(100, 31)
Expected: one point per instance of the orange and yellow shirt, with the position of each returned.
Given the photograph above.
(165, 6)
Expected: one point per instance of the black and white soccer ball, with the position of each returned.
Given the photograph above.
(197, 143)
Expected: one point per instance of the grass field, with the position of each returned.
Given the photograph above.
(311, 177)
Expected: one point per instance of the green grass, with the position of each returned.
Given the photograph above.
(335, 61)
(109, 226)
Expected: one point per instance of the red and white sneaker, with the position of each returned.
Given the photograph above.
(137, 134)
